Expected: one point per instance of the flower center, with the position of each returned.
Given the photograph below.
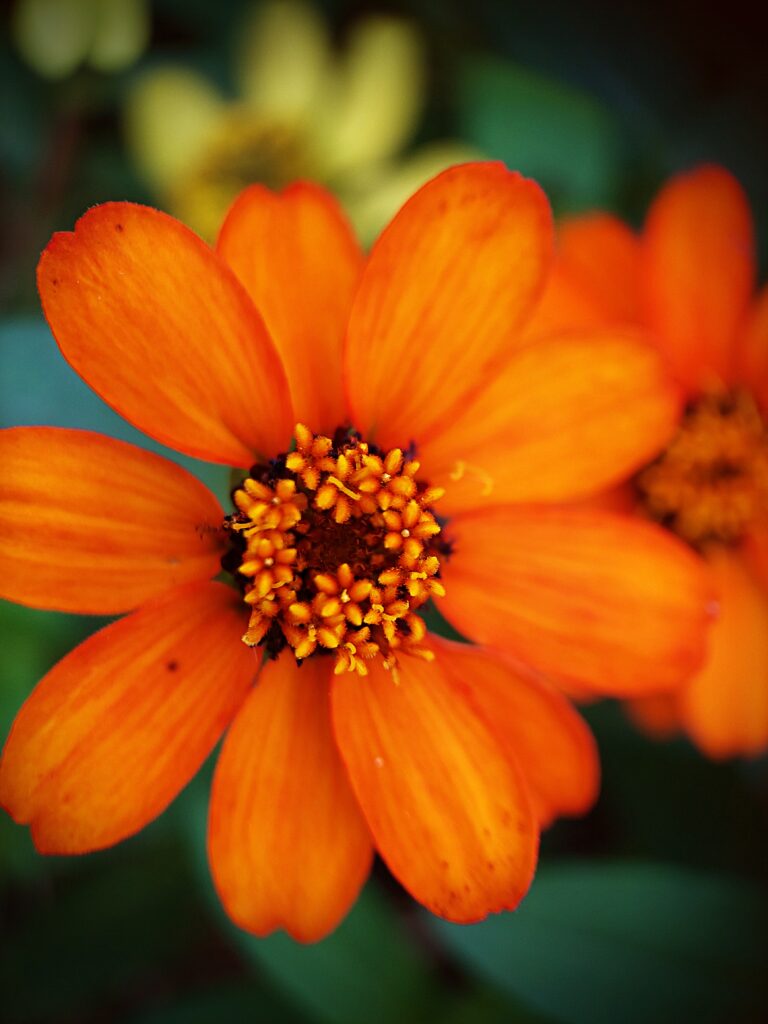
(244, 149)
(336, 547)
(711, 483)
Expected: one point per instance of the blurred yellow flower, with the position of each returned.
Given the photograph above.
(56, 36)
(302, 111)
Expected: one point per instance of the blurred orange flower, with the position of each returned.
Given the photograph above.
(689, 281)
(363, 730)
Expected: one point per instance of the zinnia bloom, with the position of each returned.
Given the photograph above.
(433, 449)
(689, 282)
(303, 109)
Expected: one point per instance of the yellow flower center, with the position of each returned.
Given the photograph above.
(246, 148)
(337, 547)
(711, 482)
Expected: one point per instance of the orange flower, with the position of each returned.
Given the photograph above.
(447, 758)
(689, 281)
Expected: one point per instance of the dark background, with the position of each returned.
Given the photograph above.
(653, 906)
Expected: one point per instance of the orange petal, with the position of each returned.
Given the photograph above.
(698, 272)
(756, 552)
(287, 843)
(297, 257)
(610, 603)
(658, 714)
(115, 730)
(552, 744)
(565, 305)
(725, 708)
(445, 289)
(594, 281)
(622, 499)
(566, 417)
(89, 524)
(448, 808)
(602, 256)
(752, 353)
(162, 330)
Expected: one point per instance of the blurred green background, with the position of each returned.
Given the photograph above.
(652, 908)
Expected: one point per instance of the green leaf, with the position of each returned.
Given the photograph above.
(597, 943)
(563, 138)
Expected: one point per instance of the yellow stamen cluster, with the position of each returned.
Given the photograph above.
(711, 482)
(338, 550)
